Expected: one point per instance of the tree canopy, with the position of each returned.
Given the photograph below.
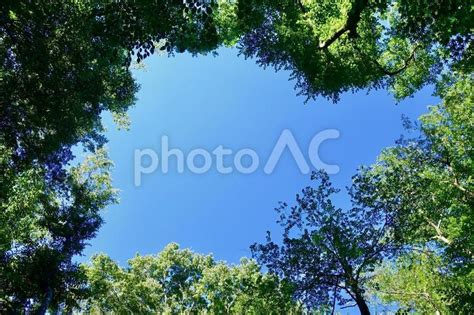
(428, 183)
(177, 281)
(63, 63)
(332, 47)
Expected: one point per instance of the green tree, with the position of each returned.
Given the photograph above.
(85, 49)
(63, 64)
(426, 184)
(43, 227)
(180, 281)
(332, 47)
(414, 281)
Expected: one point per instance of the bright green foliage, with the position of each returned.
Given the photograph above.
(429, 180)
(421, 281)
(415, 282)
(180, 281)
(22, 191)
(337, 46)
(427, 187)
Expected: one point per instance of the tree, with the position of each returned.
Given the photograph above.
(334, 47)
(180, 281)
(43, 227)
(414, 281)
(426, 184)
(329, 254)
(63, 64)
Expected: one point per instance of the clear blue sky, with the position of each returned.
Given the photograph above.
(208, 101)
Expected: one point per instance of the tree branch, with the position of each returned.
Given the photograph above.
(347, 306)
(456, 182)
(406, 63)
(353, 18)
(301, 6)
(439, 233)
(333, 38)
(334, 298)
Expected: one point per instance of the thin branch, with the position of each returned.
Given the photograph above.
(334, 298)
(439, 233)
(347, 306)
(456, 182)
(350, 293)
(406, 63)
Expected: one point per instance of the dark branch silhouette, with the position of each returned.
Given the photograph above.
(406, 63)
(350, 26)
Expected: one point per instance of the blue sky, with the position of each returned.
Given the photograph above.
(226, 100)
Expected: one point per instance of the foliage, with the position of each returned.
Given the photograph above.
(55, 66)
(63, 63)
(180, 281)
(337, 46)
(429, 180)
(426, 185)
(85, 49)
(43, 227)
(415, 281)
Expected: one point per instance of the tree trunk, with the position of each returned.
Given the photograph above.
(46, 301)
(361, 304)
